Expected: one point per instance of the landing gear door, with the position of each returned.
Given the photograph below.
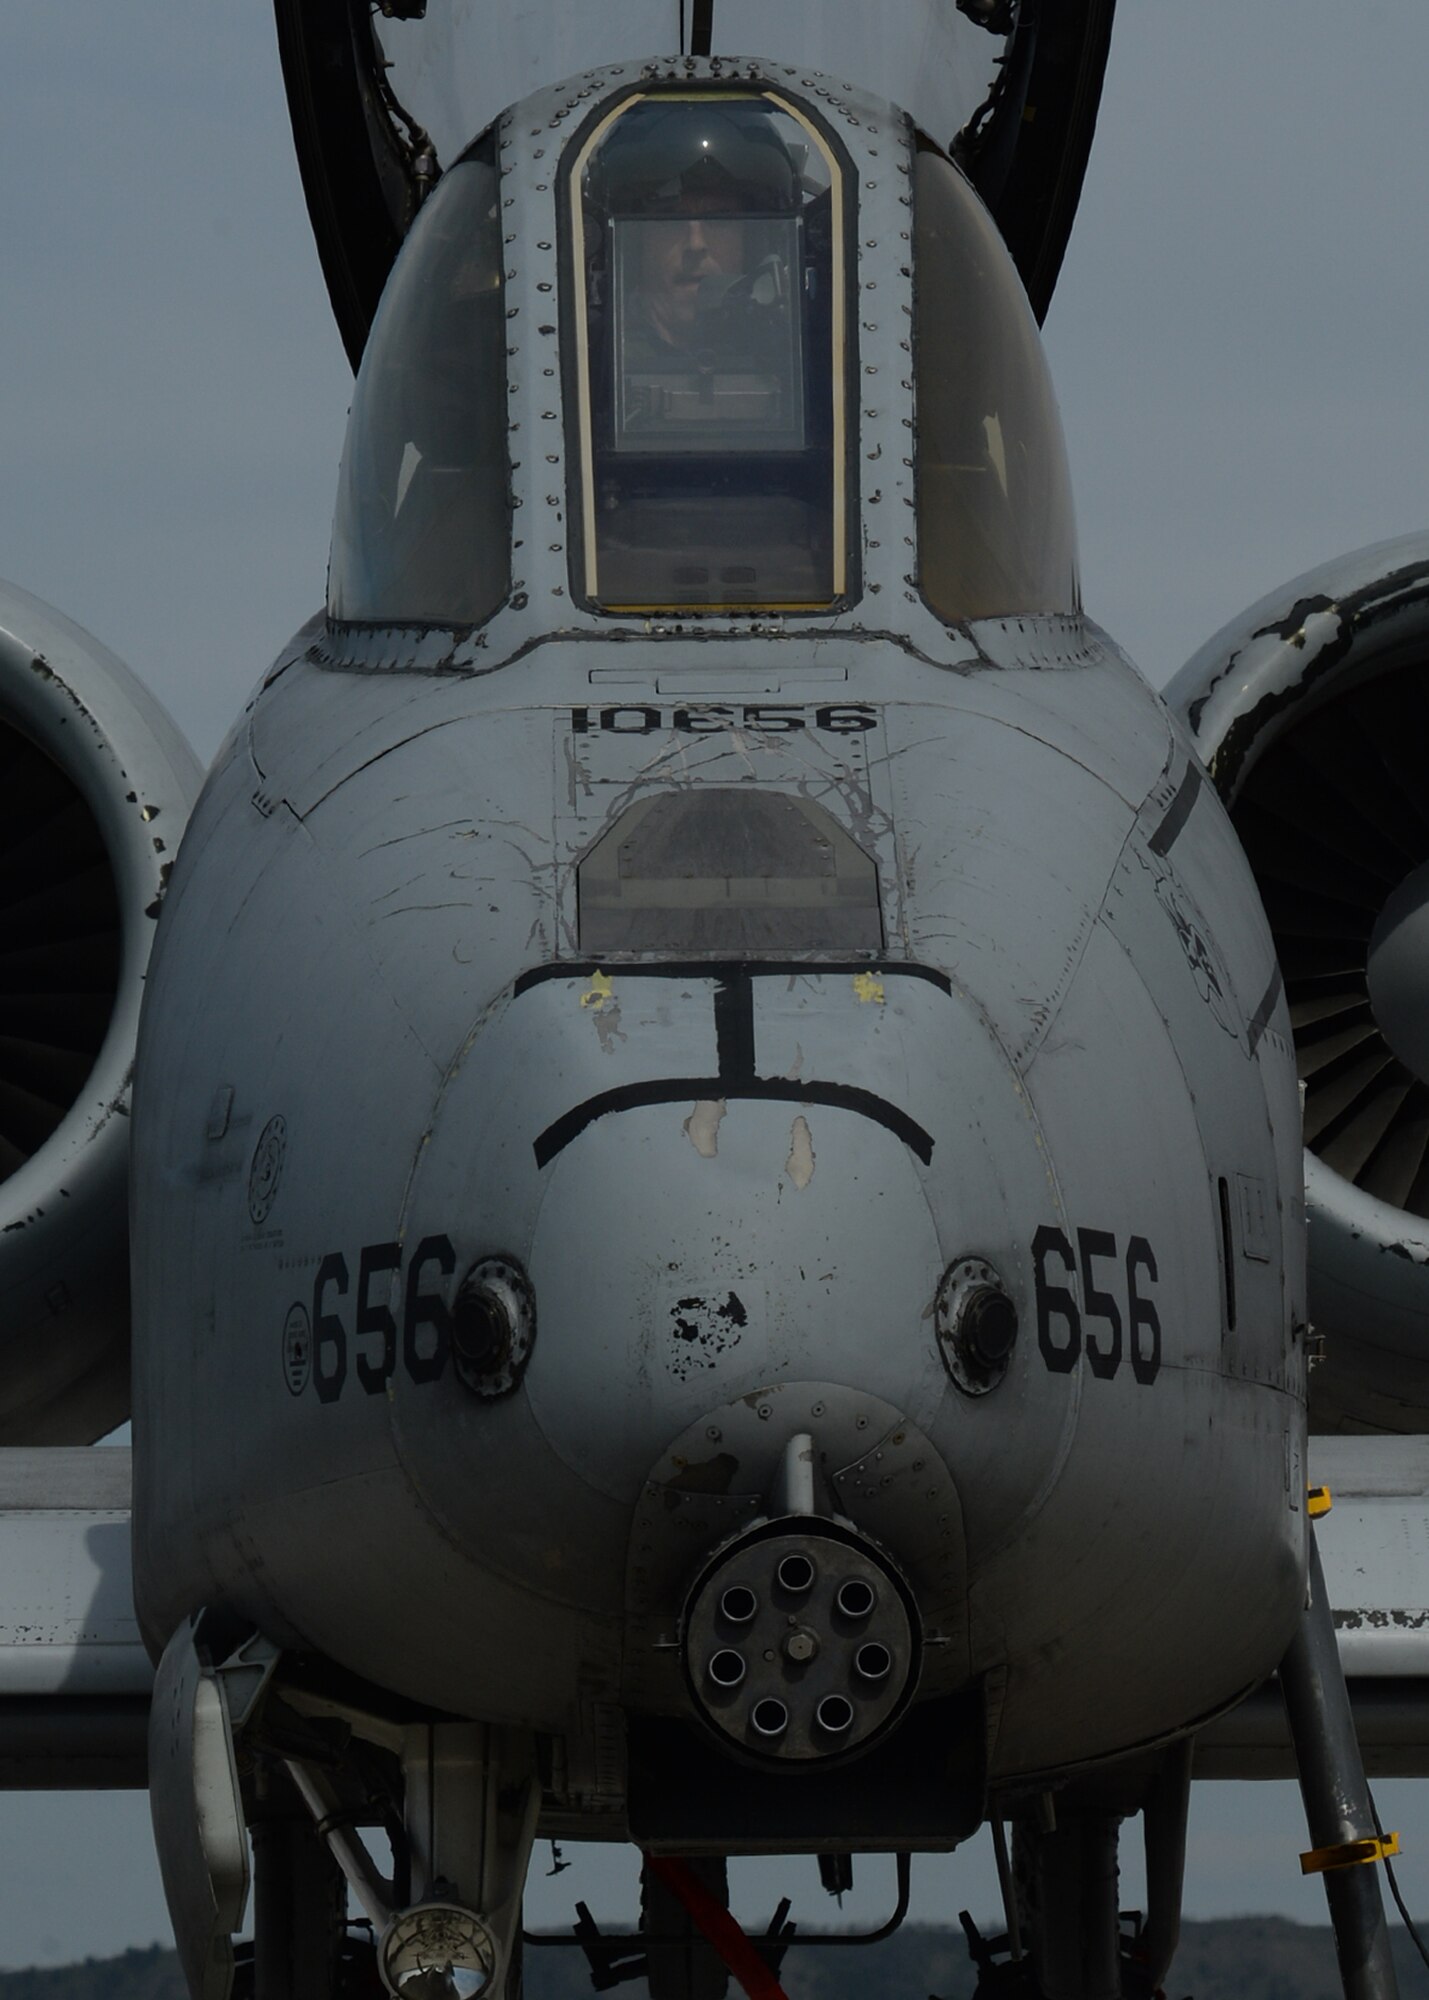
(197, 1813)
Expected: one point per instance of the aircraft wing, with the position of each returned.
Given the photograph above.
(75, 1680)
(74, 1677)
(1374, 1545)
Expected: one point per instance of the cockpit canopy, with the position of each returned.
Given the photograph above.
(384, 99)
(707, 336)
(704, 246)
(996, 531)
(422, 533)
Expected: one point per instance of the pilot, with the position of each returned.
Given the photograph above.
(686, 262)
(708, 289)
(701, 206)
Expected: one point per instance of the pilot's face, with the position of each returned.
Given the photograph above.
(678, 254)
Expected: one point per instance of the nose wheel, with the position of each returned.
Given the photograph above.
(680, 1962)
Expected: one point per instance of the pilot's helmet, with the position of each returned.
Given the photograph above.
(674, 156)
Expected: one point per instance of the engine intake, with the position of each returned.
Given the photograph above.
(95, 788)
(1311, 713)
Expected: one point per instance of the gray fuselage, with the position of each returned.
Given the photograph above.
(463, 967)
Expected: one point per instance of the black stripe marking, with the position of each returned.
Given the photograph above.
(684, 1089)
(724, 969)
(701, 27)
(734, 1043)
(734, 1028)
(1177, 813)
(1260, 1019)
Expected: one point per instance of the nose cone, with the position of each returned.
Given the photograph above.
(688, 1253)
(1396, 970)
(768, 1188)
(736, 1192)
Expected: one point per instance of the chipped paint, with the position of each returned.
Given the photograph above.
(705, 1328)
(608, 1029)
(800, 1164)
(1236, 691)
(867, 986)
(601, 1001)
(1376, 1618)
(701, 1128)
(710, 1475)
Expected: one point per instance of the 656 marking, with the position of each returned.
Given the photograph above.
(1066, 1331)
(319, 1349)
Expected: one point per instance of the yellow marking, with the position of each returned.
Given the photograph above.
(868, 986)
(1317, 1501)
(1348, 1854)
(600, 992)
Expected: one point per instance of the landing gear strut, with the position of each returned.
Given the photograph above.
(1067, 1938)
(1345, 1842)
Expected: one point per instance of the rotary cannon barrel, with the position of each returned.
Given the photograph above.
(801, 1642)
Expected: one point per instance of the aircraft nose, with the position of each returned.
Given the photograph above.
(737, 1194)
(769, 1187)
(690, 1253)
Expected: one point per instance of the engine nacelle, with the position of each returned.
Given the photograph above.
(1312, 712)
(95, 788)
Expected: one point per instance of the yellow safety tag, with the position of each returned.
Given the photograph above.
(1318, 1501)
(1349, 1854)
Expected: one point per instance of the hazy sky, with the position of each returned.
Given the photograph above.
(1237, 343)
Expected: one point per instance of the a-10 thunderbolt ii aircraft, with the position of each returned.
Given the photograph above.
(718, 1224)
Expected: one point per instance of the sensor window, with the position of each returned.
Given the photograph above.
(730, 873)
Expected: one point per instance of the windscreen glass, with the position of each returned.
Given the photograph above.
(708, 338)
(422, 531)
(995, 524)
